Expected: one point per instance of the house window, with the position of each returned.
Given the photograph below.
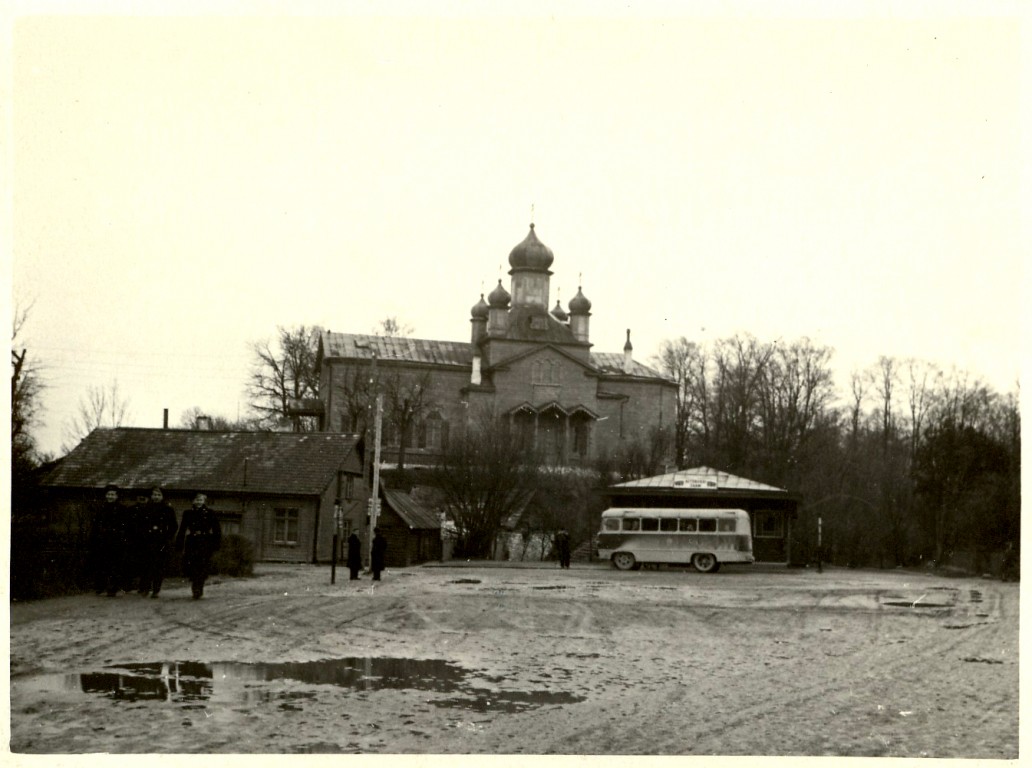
(767, 524)
(580, 437)
(349, 487)
(545, 372)
(285, 526)
(433, 432)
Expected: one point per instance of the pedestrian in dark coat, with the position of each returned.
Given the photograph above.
(354, 555)
(379, 553)
(133, 559)
(562, 546)
(156, 527)
(108, 535)
(199, 537)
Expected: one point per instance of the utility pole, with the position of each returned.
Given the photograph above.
(374, 498)
(819, 567)
(337, 515)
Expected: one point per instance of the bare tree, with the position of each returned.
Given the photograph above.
(192, 417)
(484, 477)
(101, 406)
(392, 326)
(685, 362)
(740, 366)
(407, 399)
(282, 373)
(918, 399)
(26, 389)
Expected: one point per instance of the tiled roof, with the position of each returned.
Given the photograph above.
(362, 347)
(289, 463)
(699, 478)
(612, 362)
(415, 515)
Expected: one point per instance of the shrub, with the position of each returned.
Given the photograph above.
(235, 557)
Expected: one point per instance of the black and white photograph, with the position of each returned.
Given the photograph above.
(449, 381)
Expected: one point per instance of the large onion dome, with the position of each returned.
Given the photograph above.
(499, 297)
(531, 253)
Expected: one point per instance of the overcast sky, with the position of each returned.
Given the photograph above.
(181, 186)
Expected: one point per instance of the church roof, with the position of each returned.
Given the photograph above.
(536, 324)
(362, 347)
(429, 351)
(613, 362)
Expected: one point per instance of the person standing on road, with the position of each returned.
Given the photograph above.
(156, 526)
(354, 555)
(133, 558)
(379, 552)
(562, 546)
(199, 537)
(108, 543)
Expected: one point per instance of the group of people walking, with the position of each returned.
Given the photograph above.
(130, 545)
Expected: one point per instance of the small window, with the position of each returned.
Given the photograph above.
(707, 525)
(689, 524)
(649, 524)
(631, 524)
(668, 524)
(726, 525)
(349, 487)
(285, 526)
(767, 524)
(611, 524)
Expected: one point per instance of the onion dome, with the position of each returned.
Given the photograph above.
(558, 313)
(499, 297)
(531, 253)
(579, 304)
(479, 311)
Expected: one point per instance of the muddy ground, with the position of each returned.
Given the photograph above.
(480, 659)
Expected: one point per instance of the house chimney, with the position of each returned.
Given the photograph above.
(164, 420)
(628, 361)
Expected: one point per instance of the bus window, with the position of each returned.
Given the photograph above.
(690, 525)
(726, 526)
(668, 524)
(649, 524)
(707, 525)
(611, 524)
(631, 524)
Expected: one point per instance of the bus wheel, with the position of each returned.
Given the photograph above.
(704, 562)
(624, 561)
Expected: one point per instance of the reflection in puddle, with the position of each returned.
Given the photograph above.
(194, 684)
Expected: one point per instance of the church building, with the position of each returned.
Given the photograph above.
(523, 362)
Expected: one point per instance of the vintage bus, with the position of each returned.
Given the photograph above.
(705, 538)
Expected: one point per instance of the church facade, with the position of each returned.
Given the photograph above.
(524, 362)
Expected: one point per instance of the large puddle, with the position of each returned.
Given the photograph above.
(288, 684)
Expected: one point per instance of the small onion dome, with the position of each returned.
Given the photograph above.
(479, 311)
(558, 313)
(499, 297)
(531, 253)
(579, 304)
